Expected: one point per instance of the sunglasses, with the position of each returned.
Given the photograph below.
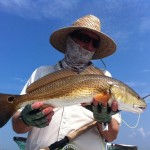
(85, 38)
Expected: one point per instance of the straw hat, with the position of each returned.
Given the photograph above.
(91, 23)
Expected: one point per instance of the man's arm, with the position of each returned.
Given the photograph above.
(112, 132)
(113, 125)
(18, 125)
(23, 122)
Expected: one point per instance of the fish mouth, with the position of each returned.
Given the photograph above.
(138, 109)
(142, 108)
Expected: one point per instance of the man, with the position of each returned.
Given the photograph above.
(81, 42)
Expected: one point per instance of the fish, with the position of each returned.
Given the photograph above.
(65, 88)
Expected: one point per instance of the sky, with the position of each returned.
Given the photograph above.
(25, 28)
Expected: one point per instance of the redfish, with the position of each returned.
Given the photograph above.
(64, 88)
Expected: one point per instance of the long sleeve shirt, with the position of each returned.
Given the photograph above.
(65, 120)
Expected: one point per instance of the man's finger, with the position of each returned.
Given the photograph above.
(37, 105)
(47, 110)
(114, 106)
(95, 103)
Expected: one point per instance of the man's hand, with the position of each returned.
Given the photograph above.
(37, 116)
(102, 113)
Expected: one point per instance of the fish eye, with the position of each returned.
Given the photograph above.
(138, 97)
(11, 99)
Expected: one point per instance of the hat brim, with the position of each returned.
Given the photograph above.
(107, 45)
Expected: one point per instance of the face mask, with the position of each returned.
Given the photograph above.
(76, 56)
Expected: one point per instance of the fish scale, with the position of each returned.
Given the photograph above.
(70, 89)
(77, 87)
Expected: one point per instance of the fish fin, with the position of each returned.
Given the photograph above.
(102, 97)
(7, 108)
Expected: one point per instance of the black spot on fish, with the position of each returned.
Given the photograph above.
(11, 99)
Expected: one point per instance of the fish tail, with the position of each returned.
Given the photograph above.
(7, 108)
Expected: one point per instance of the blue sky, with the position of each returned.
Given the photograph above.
(25, 27)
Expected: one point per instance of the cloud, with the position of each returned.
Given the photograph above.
(144, 25)
(124, 35)
(136, 84)
(142, 132)
(19, 79)
(146, 70)
(132, 134)
(13, 85)
(37, 9)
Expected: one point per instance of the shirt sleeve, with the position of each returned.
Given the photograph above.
(107, 73)
(30, 80)
(117, 116)
(37, 74)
